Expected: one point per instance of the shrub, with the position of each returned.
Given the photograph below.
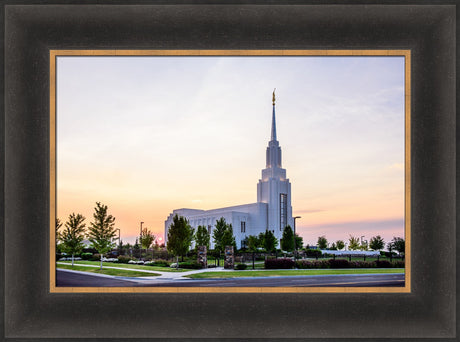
(382, 263)
(313, 253)
(123, 259)
(362, 264)
(387, 254)
(96, 257)
(86, 256)
(339, 263)
(159, 262)
(110, 259)
(190, 265)
(307, 264)
(398, 264)
(137, 262)
(241, 266)
(281, 263)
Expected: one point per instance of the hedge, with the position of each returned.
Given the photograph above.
(344, 263)
(281, 263)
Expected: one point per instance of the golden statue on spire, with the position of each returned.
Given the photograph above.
(273, 99)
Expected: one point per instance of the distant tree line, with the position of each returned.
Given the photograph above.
(376, 243)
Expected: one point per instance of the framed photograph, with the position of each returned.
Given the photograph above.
(73, 71)
(187, 117)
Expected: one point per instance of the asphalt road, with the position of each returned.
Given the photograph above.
(70, 279)
(300, 281)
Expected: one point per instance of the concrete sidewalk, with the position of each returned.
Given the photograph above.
(163, 276)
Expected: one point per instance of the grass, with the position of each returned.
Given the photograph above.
(130, 266)
(274, 273)
(108, 271)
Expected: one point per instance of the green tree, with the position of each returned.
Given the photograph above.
(268, 240)
(57, 232)
(376, 243)
(287, 241)
(298, 241)
(179, 237)
(120, 248)
(333, 247)
(228, 239)
(253, 245)
(202, 237)
(147, 239)
(340, 244)
(397, 244)
(137, 249)
(102, 230)
(353, 243)
(57, 238)
(322, 242)
(364, 246)
(218, 234)
(73, 234)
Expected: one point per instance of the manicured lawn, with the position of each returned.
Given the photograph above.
(274, 273)
(131, 266)
(108, 271)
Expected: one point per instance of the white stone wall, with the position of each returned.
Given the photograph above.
(254, 214)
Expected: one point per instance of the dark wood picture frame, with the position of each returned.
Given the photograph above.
(31, 312)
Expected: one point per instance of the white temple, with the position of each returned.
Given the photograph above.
(272, 211)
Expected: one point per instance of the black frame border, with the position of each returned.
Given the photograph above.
(32, 29)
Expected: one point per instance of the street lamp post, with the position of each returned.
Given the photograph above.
(140, 242)
(295, 242)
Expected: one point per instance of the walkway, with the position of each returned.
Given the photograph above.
(163, 276)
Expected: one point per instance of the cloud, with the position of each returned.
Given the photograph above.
(386, 228)
(361, 226)
(308, 211)
(397, 166)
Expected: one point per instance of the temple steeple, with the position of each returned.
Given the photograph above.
(273, 150)
(273, 135)
(274, 188)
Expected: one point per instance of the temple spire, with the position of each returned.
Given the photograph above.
(273, 135)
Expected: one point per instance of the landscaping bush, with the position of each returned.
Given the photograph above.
(382, 263)
(339, 263)
(281, 263)
(388, 254)
(313, 253)
(124, 259)
(307, 264)
(160, 263)
(137, 262)
(362, 264)
(190, 265)
(86, 256)
(398, 264)
(241, 266)
(96, 257)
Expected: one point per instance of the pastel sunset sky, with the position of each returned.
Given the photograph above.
(146, 135)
